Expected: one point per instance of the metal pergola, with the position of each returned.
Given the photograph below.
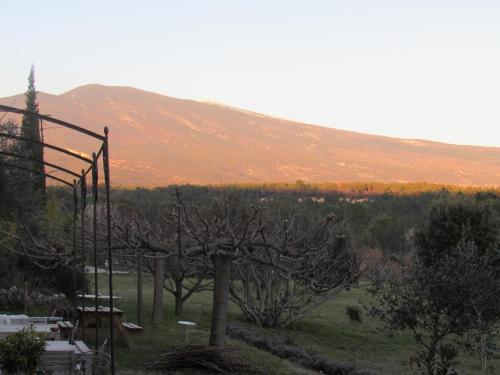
(78, 183)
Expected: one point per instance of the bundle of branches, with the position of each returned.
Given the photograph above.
(219, 360)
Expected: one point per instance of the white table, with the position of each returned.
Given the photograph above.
(51, 330)
(13, 319)
(187, 325)
(78, 347)
(60, 356)
(99, 297)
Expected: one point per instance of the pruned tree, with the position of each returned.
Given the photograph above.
(185, 273)
(177, 272)
(158, 289)
(127, 249)
(227, 230)
(233, 231)
(276, 295)
(185, 276)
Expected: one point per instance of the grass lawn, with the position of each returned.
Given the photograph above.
(327, 331)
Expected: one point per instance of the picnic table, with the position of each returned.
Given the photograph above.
(91, 318)
(88, 317)
(100, 297)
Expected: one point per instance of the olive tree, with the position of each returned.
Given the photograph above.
(450, 287)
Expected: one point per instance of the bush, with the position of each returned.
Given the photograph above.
(354, 314)
(21, 352)
(13, 299)
(63, 281)
(280, 348)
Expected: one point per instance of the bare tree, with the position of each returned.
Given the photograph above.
(221, 233)
(185, 276)
(140, 294)
(47, 252)
(180, 274)
(233, 231)
(126, 226)
(224, 232)
(158, 289)
(277, 296)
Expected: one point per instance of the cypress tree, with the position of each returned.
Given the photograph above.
(31, 129)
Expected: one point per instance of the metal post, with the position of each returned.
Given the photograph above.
(75, 214)
(83, 185)
(105, 159)
(96, 288)
(105, 150)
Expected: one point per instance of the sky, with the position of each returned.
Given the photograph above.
(427, 69)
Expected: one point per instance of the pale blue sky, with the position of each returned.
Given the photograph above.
(416, 69)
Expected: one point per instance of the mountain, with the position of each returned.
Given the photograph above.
(157, 140)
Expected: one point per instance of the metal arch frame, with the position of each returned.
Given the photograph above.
(35, 171)
(59, 168)
(104, 152)
(52, 147)
(5, 108)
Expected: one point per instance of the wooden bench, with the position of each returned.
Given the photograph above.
(65, 327)
(130, 328)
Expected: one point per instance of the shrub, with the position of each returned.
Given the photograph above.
(13, 299)
(21, 352)
(63, 281)
(280, 348)
(354, 314)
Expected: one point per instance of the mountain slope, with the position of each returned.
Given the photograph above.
(157, 140)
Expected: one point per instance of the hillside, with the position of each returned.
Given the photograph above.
(158, 140)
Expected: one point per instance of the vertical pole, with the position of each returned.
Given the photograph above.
(25, 295)
(158, 289)
(140, 303)
(75, 214)
(96, 289)
(107, 182)
(83, 183)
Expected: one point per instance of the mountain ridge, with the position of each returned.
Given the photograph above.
(158, 140)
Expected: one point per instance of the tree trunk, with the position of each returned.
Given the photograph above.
(179, 305)
(158, 290)
(222, 265)
(179, 301)
(484, 355)
(25, 299)
(140, 302)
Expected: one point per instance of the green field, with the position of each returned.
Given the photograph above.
(327, 331)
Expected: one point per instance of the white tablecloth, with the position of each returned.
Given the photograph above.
(60, 355)
(9, 329)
